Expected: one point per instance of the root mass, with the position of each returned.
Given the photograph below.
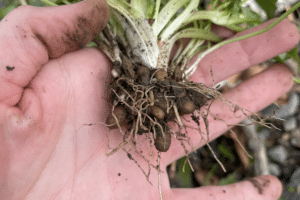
(145, 100)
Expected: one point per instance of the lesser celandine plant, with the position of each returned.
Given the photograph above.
(150, 88)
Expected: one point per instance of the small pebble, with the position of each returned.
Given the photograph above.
(275, 169)
(295, 156)
(290, 124)
(295, 142)
(295, 179)
(298, 117)
(264, 134)
(278, 153)
(285, 139)
(292, 192)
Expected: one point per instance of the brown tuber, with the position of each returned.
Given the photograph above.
(161, 74)
(157, 112)
(186, 106)
(120, 113)
(162, 142)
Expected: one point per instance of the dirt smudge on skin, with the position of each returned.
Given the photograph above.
(260, 186)
(9, 68)
(43, 41)
(78, 36)
(105, 13)
(83, 26)
(83, 29)
(257, 185)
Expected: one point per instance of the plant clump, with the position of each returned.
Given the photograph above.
(150, 88)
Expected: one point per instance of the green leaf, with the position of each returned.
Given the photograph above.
(198, 33)
(293, 53)
(139, 5)
(166, 14)
(280, 58)
(150, 9)
(250, 13)
(91, 44)
(48, 3)
(4, 11)
(220, 18)
(296, 80)
(230, 179)
(269, 6)
(226, 151)
(184, 176)
(163, 57)
(8, 6)
(282, 198)
(210, 174)
(292, 189)
(179, 20)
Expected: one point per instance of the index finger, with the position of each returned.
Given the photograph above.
(235, 57)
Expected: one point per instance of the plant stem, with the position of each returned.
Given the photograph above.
(65, 2)
(48, 3)
(23, 2)
(157, 7)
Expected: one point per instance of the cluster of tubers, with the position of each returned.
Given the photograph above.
(145, 100)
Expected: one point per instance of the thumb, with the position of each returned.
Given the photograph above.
(29, 36)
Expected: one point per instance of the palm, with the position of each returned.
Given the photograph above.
(58, 149)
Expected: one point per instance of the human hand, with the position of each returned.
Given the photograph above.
(47, 152)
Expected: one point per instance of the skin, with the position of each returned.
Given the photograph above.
(57, 86)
